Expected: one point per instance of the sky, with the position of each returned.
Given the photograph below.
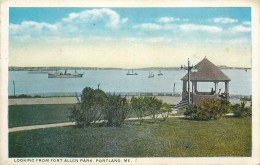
(129, 37)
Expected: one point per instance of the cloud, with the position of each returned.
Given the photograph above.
(31, 26)
(185, 20)
(124, 20)
(240, 28)
(225, 20)
(106, 15)
(167, 19)
(247, 23)
(194, 27)
(148, 26)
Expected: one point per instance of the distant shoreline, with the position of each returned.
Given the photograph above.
(12, 68)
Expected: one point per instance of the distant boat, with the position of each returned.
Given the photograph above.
(160, 73)
(132, 73)
(151, 75)
(65, 75)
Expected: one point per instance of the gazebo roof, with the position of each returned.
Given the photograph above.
(207, 71)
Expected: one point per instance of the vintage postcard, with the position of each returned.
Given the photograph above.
(130, 82)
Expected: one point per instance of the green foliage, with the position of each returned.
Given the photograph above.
(143, 106)
(191, 111)
(240, 110)
(91, 107)
(208, 109)
(95, 106)
(246, 99)
(165, 109)
(153, 105)
(137, 105)
(116, 111)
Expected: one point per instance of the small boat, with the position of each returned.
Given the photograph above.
(132, 73)
(65, 75)
(151, 75)
(160, 73)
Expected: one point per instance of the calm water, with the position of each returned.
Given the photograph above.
(118, 81)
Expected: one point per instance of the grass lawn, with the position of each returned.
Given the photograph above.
(24, 115)
(175, 137)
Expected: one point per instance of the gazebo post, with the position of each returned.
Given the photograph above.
(216, 87)
(195, 86)
(189, 80)
(227, 90)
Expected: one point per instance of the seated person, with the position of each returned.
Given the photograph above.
(212, 91)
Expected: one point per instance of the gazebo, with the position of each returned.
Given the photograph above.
(206, 72)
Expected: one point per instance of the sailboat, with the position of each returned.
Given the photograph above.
(65, 75)
(132, 73)
(151, 75)
(160, 73)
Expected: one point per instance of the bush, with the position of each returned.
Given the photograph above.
(116, 111)
(240, 110)
(153, 105)
(165, 109)
(208, 109)
(95, 106)
(92, 107)
(137, 105)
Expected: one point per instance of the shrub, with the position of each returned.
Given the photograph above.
(240, 110)
(153, 105)
(191, 111)
(137, 105)
(165, 109)
(208, 109)
(116, 111)
(91, 108)
(95, 105)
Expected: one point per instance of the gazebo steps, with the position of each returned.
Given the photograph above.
(182, 104)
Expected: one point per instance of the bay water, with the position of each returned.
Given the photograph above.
(117, 81)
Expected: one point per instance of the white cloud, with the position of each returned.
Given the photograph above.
(167, 19)
(31, 26)
(148, 26)
(240, 28)
(194, 27)
(247, 23)
(185, 20)
(225, 20)
(124, 20)
(110, 17)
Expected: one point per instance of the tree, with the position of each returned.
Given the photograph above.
(153, 105)
(91, 108)
(165, 109)
(116, 110)
(137, 105)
